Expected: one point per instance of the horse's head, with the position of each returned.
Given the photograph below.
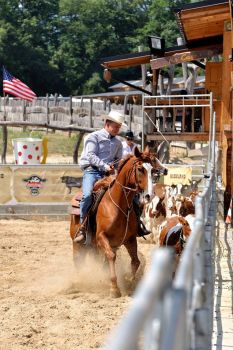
(136, 172)
(143, 170)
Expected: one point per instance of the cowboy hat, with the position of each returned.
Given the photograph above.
(115, 117)
(129, 135)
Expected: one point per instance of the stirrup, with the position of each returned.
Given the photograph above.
(143, 230)
(80, 236)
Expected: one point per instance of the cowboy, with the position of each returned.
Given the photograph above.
(100, 156)
(128, 144)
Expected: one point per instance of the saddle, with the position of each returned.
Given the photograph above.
(99, 189)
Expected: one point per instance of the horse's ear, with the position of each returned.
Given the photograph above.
(147, 150)
(137, 153)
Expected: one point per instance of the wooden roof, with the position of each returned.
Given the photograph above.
(128, 60)
(204, 19)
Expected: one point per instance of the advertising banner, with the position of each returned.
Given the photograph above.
(38, 184)
(178, 175)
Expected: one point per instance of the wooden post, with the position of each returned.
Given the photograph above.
(184, 64)
(55, 114)
(76, 147)
(192, 116)
(143, 69)
(154, 92)
(90, 113)
(126, 98)
(24, 113)
(4, 133)
(226, 96)
(105, 104)
(130, 117)
(71, 114)
(174, 119)
(47, 111)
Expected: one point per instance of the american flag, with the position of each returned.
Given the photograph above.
(15, 87)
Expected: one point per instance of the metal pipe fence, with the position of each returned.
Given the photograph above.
(178, 314)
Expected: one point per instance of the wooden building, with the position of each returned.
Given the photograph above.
(207, 32)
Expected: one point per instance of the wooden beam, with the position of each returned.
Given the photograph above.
(128, 62)
(68, 128)
(178, 101)
(184, 136)
(47, 126)
(226, 123)
(186, 56)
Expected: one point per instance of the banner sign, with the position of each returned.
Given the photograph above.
(186, 56)
(177, 176)
(40, 184)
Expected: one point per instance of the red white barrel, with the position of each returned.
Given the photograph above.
(27, 151)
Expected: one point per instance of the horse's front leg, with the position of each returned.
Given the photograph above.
(132, 248)
(103, 244)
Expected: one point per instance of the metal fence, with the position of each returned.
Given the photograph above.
(177, 314)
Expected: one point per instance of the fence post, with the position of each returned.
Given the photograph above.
(55, 114)
(47, 111)
(4, 134)
(71, 114)
(76, 147)
(24, 113)
(174, 318)
(91, 112)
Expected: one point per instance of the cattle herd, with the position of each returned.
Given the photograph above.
(169, 214)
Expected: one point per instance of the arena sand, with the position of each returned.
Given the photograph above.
(45, 302)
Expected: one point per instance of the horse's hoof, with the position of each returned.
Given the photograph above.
(115, 293)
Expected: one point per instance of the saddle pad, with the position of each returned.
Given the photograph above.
(75, 211)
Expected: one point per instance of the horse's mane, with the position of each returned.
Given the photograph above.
(123, 162)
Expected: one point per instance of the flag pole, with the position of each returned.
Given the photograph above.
(4, 132)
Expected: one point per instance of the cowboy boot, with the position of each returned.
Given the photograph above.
(142, 230)
(80, 236)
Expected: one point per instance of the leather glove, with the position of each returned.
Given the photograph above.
(109, 170)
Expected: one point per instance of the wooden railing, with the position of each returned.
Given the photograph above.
(63, 113)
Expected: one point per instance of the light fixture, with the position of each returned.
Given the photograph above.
(156, 45)
(107, 75)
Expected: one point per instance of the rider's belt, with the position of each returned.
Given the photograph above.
(90, 167)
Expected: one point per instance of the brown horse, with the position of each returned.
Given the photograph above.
(116, 221)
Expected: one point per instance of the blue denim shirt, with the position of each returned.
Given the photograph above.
(100, 149)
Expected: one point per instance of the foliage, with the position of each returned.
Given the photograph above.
(57, 46)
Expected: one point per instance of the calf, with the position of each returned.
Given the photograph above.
(174, 233)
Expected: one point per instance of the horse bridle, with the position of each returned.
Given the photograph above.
(126, 189)
(136, 176)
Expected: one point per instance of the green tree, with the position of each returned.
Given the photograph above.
(57, 45)
(28, 38)
(94, 29)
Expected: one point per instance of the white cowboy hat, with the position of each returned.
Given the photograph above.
(116, 117)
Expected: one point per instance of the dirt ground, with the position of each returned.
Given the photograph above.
(45, 302)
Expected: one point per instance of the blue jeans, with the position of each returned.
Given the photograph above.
(90, 176)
